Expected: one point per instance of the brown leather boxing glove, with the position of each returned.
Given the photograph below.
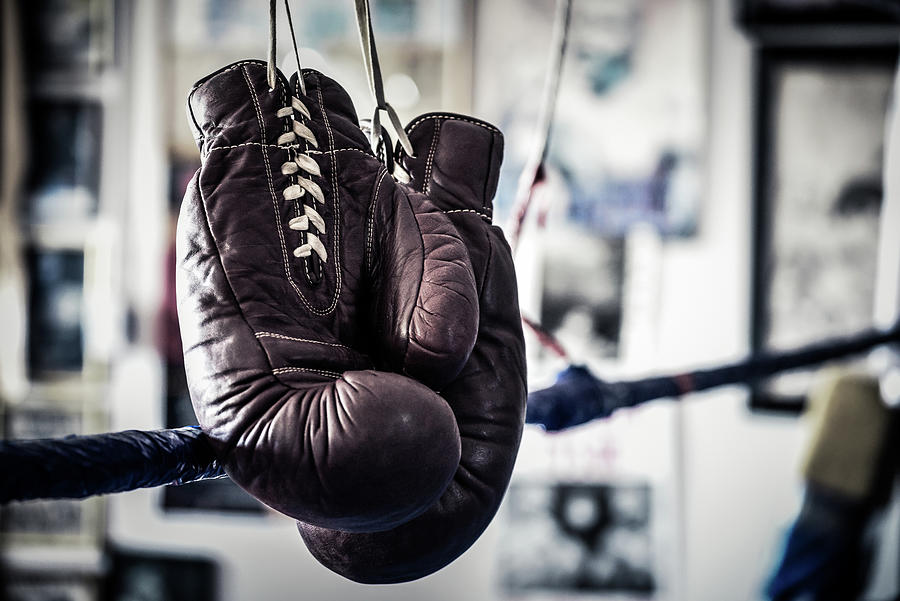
(304, 271)
(456, 165)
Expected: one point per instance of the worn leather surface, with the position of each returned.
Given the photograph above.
(318, 397)
(456, 165)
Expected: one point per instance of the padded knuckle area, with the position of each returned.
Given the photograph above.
(367, 451)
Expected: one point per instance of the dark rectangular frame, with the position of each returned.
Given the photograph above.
(766, 59)
(754, 14)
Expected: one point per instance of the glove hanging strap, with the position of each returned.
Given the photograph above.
(376, 86)
(273, 45)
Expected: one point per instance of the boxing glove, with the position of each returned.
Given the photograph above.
(456, 164)
(304, 271)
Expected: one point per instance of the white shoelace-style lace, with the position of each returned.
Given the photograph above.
(308, 221)
(302, 189)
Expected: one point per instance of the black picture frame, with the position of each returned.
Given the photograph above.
(858, 197)
(757, 14)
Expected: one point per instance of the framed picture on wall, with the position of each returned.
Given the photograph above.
(628, 129)
(570, 538)
(761, 13)
(820, 141)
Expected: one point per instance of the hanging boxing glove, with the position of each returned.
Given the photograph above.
(304, 268)
(456, 164)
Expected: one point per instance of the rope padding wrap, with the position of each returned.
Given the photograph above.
(77, 467)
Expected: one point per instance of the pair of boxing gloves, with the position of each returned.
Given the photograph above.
(353, 345)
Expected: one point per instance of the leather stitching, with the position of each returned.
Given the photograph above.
(295, 339)
(430, 162)
(321, 372)
(370, 226)
(449, 117)
(277, 146)
(226, 70)
(335, 208)
(479, 213)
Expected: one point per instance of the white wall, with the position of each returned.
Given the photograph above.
(741, 482)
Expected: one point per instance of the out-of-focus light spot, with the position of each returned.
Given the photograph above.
(890, 387)
(401, 91)
(581, 512)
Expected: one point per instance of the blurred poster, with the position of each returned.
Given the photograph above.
(581, 298)
(577, 538)
(628, 131)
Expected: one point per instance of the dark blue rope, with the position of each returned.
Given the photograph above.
(76, 467)
(578, 396)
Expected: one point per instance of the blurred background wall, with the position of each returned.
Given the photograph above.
(674, 225)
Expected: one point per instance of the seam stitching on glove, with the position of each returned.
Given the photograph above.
(322, 152)
(371, 220)
(430, 162)
(321, 372)
(418, 297)
(335, 209)
(448, 117)
(226, 70)
(295, 339)
(479, 213)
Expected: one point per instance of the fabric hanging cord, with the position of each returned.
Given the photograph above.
(376, 85)
(533, 172)
(287, 10)
(273, 45)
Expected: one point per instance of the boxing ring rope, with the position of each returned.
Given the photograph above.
(77, 467)
(578, 396)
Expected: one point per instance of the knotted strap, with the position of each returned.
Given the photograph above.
(376, 86)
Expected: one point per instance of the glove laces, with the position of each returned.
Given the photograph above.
(297, 138)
